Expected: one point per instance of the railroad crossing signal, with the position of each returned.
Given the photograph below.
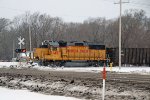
(20, 50)
(21, 41)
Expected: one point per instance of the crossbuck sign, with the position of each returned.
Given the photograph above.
(21, 41)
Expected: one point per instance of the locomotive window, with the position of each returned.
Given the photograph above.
(62, 44)
(43, 46)
(79, 44)
(97, 47)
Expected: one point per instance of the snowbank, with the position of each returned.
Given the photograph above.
(8, 64)
(7, 94)
(13, 64)
(138, 70)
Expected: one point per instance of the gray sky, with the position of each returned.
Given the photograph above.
(70, 10)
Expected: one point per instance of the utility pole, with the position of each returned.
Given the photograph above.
(30, 38)
(120, 34)
(13, 49)
(30, 43)
(120, 27)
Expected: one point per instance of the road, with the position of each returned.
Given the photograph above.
(85, 85)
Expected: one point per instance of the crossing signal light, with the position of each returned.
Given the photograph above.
(20, 50)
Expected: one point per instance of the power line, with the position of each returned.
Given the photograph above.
(13, 9)
(136, 4)
(139, 3)
(133, 2)
(108, 0)
(144, 7)
(20, 10)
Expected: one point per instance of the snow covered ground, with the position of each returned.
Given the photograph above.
(139, 70)
(9, 94)
(133, 69)
(118, 91)
(7, 64)
(127, 69)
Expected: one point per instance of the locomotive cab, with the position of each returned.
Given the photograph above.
(54, 51)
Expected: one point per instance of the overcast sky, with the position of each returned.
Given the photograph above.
(70, 10)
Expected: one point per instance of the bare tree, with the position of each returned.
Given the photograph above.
(135, 31)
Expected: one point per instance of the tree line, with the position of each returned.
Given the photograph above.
(135, 31)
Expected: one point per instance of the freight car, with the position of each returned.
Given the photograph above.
(58, 53)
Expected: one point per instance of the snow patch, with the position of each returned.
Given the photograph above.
(78, 88)
(7, 94)
(136, 69)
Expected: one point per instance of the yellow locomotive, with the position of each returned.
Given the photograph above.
(58, 53)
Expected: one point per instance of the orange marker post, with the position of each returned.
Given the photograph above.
(104, 78)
